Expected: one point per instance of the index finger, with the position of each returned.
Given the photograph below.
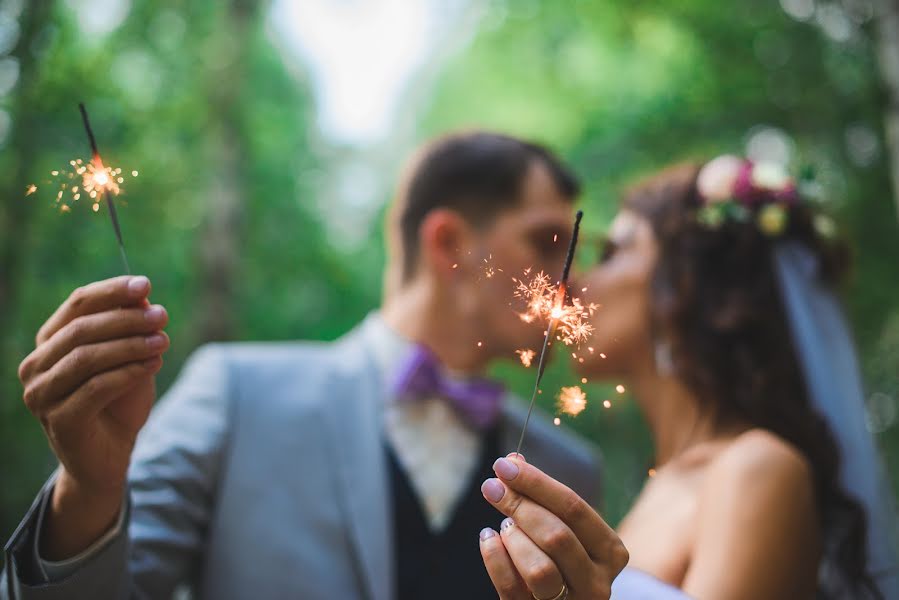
(95, 297)
(526, 479)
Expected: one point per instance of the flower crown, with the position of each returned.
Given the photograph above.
(737, 189)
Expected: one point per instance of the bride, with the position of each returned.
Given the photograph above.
(717, 312)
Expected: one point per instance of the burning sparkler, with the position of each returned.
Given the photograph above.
(102, 181)
(556, 313)
(542, 299)
(93, 180)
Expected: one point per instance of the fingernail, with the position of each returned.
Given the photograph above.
(517, 455)
(486, 534)
(507, 522)
(493, 490)
(138, 286)
(155, 342)
(154, 314)
(505, 468)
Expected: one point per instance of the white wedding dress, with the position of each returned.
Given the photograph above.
(634, 584)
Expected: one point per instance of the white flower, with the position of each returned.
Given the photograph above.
(716, 179)
(770, 176)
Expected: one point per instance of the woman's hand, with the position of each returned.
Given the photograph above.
(553, 545)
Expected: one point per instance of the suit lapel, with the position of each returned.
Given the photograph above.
(354, 420)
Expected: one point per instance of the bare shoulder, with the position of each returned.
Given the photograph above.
(761, 468)
(757, 533)
(762, 449)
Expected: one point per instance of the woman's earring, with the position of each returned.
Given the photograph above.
(664, 361)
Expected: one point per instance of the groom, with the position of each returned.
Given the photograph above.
(306, 470)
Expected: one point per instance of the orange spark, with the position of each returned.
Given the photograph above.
(572, 400)
(526, 356)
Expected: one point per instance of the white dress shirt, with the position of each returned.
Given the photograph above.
(437, 450)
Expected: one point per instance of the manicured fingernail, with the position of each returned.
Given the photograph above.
(486, 534)
(138, 286)
(493, 490)
(505, 468)
(507, 522)
(155, 342)
(154, 314)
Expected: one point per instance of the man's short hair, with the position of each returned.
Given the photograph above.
(478, 174)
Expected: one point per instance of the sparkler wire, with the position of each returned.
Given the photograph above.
(109, 202)
(551, 328)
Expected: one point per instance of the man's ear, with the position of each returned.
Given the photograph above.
(444, 237)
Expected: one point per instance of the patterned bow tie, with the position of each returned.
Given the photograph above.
(477, 401)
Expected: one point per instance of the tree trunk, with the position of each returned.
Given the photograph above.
(222, 230)
(18, 210)
(887, 26)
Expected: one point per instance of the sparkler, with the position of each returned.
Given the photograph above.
(556, 313)
(92, 179)
(102, 180)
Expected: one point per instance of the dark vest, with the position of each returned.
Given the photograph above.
(445, 565)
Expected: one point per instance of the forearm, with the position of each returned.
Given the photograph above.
(77, 517)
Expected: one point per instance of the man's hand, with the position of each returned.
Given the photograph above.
(90, 383)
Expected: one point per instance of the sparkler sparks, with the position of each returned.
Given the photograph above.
(572, 400)
(546, 302)
(490, 270)
(526, 356)
(88, 180)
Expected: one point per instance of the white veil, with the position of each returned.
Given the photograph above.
(827, 356)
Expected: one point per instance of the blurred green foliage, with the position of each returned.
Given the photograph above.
(225, 216)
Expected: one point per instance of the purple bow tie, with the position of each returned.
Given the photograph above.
(478, 401)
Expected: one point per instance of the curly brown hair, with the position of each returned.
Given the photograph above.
(715, 298)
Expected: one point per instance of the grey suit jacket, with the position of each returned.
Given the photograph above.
(261, 474)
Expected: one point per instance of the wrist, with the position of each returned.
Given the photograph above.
(77, 516)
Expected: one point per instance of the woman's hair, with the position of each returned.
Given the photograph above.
(716, 300)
